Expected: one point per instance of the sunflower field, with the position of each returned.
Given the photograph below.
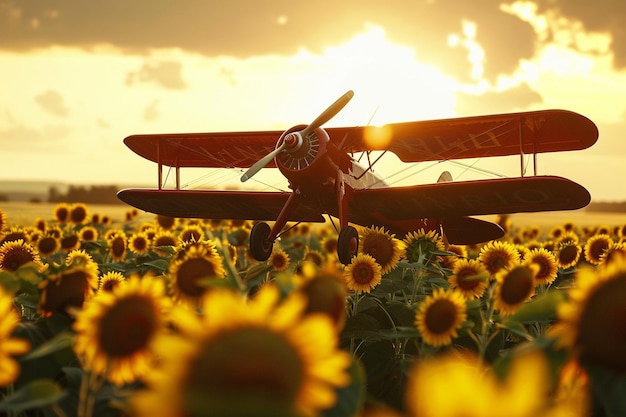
(173, 317)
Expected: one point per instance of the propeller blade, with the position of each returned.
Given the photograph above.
(329, 113)
(261, 163)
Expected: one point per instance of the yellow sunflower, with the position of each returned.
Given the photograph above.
(115, 330)
(245, 358)
(314, 256)
(138, 243)
(192, 233)
(615, 250)
(497, 255)
(459, 251)
(363, 273)
(591, 322)
(14, 254)
(567, 254)
(420, 245)
(279, 259)
(546, 262)
(595, 247)
(164, 238)
(469, 277)
(62, 212)
(440, 315)
(69, 288)
(326, 293)
(514, 287)
(189, 272)
(88, 234)
(3, 221)
(9, 346)
(78, 213)
(48, 245)
(118, 245)
(110, 280)
(382, 246)
(165, 222)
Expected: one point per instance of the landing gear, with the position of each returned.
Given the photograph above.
(260, 245)
(347, 244)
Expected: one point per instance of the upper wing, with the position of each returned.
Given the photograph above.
(216, 204)
(475, 137)
(467, 198)
(212, 150)
(428, 140)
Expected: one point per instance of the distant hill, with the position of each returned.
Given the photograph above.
(33, 191)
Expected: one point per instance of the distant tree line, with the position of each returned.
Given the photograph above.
(95, 194)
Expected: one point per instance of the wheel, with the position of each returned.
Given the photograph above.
(347, 244)
(260, 245)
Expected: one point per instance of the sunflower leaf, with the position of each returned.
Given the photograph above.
(60, 342)
(36, 394)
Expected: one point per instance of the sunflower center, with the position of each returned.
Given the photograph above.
(379, 248)
(68, 290)
(441, 316)
(517, 286)
(189, 274)
(127, 327)
(363, 273)
(252, 367)
(118, 247)
(602, 328)
(47, 245)
(16, 257)
(568, 254)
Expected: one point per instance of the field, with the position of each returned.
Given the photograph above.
(24, 213)
(140, 317)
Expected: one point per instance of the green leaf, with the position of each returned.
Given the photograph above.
(541, 308)
(59, 342)
(9, 282)
(160, 264)
(36, 394)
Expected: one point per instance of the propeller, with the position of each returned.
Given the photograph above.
(296, 140)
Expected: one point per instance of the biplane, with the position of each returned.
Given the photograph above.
(326, 180)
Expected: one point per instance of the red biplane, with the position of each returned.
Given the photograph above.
(325, 179)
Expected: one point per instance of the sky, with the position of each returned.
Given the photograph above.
(78, 77)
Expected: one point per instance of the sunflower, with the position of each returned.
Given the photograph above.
(595, 247)
(514, 287)
(567, 254)
(69, 288)
(14, 254)
(163, 238)
(118, 245)
(191, 233)
(111, 280)
(62, 212)
(9, 346)
(115, 330)
(329, 244)
(15, 233)
(458, 251)
(88, 234)
(189, 272)
(614, 251)
(166, 222)
(382, 246)
(80, 257)
(207, 368)
(279, 259)
(440, 315)
(326, 293)
(70, 241)
(314, 256)
(591, 322)
(420, 245)
(363, 273)
(78, 213)
(469, 277)
(497, 255)
(547, 267)
(138, 243)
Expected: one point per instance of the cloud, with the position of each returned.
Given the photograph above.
(167, 74)
(52, 102)
(244, 28)
(151, 113)
(518, 98)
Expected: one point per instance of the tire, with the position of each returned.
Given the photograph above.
(260, 245)
(347, 244)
